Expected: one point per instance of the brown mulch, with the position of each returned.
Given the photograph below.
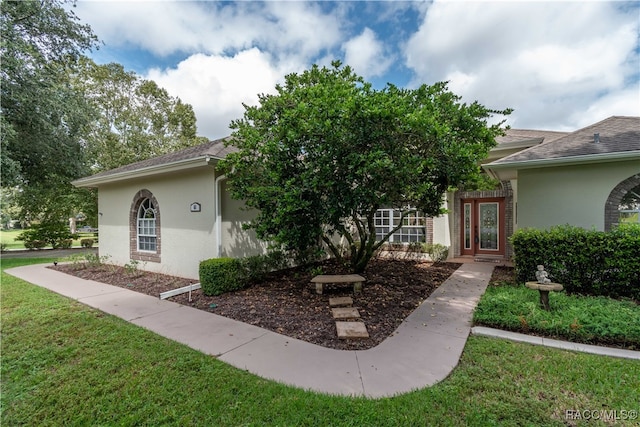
(286, 302)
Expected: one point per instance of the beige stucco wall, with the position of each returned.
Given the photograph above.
(573, 195)
(442, 225)
(236, 242)
(186, 237)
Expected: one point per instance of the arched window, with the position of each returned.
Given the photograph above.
(144, 227)
(147, 226)
(623, 203)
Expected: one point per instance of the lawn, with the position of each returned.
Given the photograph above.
(7, 237)
(585, 319)
(66, 364)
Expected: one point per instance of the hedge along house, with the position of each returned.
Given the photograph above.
(580, 179)
(171, 212)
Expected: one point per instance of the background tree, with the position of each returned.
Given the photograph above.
(133, 119)
(64, 117)
(42, 115)
(322, 155)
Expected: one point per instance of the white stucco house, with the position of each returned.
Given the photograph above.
(546, 179)
(173, 211)
(578, 179)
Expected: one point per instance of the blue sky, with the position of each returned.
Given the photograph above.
(559, 65)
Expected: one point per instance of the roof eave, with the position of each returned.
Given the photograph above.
(513, 145)
(509, 170)
(561, 161)
(95, 181)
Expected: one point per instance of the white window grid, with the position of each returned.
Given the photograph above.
(412, 230)
(147, 227)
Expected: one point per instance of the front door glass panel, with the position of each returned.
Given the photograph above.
(489, 226)
(467, 225)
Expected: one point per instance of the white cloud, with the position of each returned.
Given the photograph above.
(230, 51)
(302, 28)
(555, 63)
(625, 102)
(160, 27)
(550, 61)
(216, 86)
(167, 27)
(365, 54)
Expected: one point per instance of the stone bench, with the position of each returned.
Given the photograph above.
(544, 289)
(338, 279)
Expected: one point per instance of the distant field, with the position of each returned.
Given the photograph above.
(8, 237)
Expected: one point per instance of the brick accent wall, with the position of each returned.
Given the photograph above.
(505, 192)
(133, 229)
(611, 215)
(428, 225)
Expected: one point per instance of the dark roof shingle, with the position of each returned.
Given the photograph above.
(214, 149)
(617, 134)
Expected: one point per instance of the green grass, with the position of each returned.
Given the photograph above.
(66, 364)
(585, 319)
(7, 237)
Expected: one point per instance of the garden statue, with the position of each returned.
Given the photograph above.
(542, 276)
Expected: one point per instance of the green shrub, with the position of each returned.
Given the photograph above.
(436, 251)
(256, 267)
(63, 243)
(54, 234)
(34, 244)
(86, 243)
(220, 275)
(584, 261)
(133, 268)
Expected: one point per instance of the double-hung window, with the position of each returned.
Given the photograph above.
(147, 227)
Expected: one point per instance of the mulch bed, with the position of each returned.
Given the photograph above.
(286, 303)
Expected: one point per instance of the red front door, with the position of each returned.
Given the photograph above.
(483, 227)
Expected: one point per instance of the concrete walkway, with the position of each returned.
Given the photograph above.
(422, 352)
(549, 342)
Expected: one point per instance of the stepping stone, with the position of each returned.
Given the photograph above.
(343, 313)
(340, 301)
(349, 330)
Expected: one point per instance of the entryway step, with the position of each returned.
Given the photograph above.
(350, 330)
(343, 313)
(340, 302)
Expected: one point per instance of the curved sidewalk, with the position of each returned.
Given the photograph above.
(421, 352)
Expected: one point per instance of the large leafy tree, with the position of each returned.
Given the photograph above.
(42, 115)
(322, 155)
(64, 117)
(134, 118)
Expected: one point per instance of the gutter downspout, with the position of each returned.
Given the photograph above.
(218, 185)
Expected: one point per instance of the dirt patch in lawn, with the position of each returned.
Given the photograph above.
(286, 303)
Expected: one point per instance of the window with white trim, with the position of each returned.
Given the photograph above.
(413, 226)
(147, 239)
